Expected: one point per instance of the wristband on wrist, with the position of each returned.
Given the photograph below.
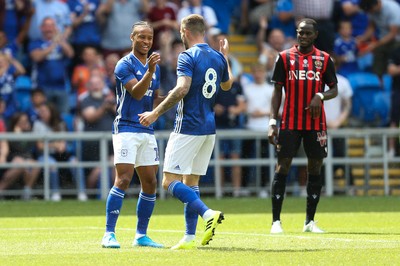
(320, 95)
(272, 122)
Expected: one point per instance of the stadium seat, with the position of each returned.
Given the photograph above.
(381, 105)
(23, 82)
(370, 102)
(69, 121)
(364, 80)
(23, 87)
(387, 82)
(365, 62)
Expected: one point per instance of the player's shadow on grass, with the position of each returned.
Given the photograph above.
(363, 233)
(238, 249)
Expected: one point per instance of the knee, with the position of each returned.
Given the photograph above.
(165, 183)
(167, 180)
(122, 182)
(283, 166)
(149, 183)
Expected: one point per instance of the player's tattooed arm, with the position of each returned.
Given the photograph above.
(174, 96)
(177, 94)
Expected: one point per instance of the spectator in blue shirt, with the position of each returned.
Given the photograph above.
(50, 56)
(58, 10)
(9, 69)
(345, 49)
(86, 29)
(283, 19)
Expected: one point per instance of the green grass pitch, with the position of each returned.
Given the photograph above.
(360, 231)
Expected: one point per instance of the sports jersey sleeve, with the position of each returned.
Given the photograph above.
(279, 74)
(330, 74)
(124, 72)
(185, 65)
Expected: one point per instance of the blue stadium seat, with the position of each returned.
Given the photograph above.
(387, 82)
(364, 80)
(365, 62)
(381, 105)
(23, 82)
(370, 102)
(69, 121)
(23, 87)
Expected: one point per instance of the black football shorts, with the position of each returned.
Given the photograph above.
(314, 143)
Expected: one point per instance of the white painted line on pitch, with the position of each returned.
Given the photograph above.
(313, 236)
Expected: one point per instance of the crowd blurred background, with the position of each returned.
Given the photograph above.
(57, 60)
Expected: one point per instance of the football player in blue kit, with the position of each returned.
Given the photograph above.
(201, 72)
(135, 147)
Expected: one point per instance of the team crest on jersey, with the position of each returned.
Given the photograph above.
(124, 152)
(318, 64)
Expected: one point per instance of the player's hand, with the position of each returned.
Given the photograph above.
(153, 60)
(219, 109)
(315, 107)
(147, 118)
(272, 135)
(224, 47)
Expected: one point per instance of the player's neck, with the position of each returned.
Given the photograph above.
(196, 41)
(305, 50)
(142, 57)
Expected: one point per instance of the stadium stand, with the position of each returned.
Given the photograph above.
(23, 87)
(371, 102)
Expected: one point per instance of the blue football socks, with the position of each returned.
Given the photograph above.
(186, 195)
(191, 216)
(144, 209)
(113, 207)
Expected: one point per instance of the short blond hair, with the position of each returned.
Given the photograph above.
(194, 23)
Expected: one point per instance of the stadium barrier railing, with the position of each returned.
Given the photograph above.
(378, 135)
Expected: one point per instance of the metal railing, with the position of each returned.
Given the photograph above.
(379, 135)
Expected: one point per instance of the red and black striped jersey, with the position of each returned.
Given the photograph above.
(303, 75)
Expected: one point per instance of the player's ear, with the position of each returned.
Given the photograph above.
(316, 34)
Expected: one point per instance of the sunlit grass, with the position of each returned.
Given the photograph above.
(360, 231)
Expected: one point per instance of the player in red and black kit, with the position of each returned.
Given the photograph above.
(302, 71)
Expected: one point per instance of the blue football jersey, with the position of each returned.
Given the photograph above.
(127, 120)
(207, 68)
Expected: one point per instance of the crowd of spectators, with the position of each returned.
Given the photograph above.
(68, 50)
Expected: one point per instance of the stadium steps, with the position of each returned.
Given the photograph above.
(370, 192)
(244, 48)
(368, 181)
(395, 192)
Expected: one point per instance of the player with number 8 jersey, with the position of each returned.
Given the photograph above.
(201, 72)
(207, 68)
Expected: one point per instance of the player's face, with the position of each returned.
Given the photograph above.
(306, 35)
(142, 40)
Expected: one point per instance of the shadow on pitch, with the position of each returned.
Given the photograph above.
(363, 233)
(238, 249)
